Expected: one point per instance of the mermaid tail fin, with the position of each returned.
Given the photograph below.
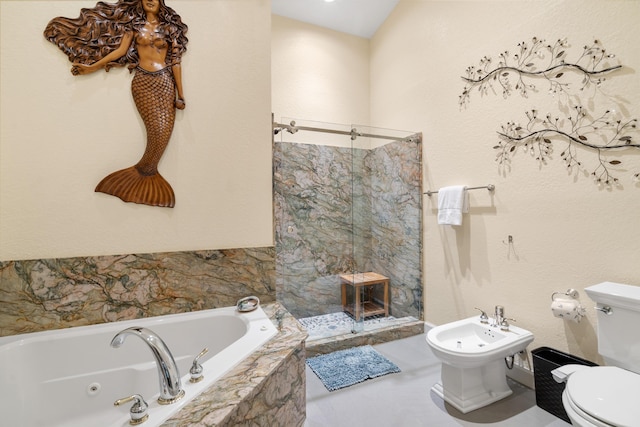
(132, 186)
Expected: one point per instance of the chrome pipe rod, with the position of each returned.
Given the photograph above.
(353, 133)
(489, 187)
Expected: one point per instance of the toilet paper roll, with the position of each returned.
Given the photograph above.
(567, 309)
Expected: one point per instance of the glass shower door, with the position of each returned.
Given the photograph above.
(313, 223)
(387, 225)
(347, 211)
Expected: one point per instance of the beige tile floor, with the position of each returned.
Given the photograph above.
(406, 400)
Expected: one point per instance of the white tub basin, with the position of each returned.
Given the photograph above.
(72, 377)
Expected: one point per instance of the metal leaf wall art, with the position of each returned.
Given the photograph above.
(533, 61)
(608, 135)
(578, 130)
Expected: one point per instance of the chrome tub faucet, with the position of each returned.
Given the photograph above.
(169, 378)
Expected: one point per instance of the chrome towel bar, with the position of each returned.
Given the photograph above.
(489, 187)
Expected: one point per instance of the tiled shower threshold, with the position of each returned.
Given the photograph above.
(332, 332)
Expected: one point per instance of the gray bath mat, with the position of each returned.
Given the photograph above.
(345, 368)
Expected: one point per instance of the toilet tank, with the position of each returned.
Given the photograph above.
(619, 331)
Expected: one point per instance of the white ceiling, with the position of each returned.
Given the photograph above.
(358, 17)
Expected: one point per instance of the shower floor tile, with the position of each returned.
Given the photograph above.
(340, 323)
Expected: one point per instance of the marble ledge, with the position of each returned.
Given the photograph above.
(267, 388)
(377, 336)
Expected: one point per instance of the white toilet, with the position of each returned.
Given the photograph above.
(473, 360)
(608, 395)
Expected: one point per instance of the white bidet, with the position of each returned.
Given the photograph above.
(473, 365)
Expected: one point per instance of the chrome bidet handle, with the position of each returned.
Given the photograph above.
(138, 411)
(504, 324)
(483, 316)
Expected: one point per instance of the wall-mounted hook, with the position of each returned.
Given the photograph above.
(511, 248)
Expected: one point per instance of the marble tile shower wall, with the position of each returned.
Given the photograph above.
(396, 222)
(44, 294)
(312, 214)
(340, 210)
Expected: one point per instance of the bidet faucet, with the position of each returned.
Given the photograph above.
(499, 317)
(168, 376)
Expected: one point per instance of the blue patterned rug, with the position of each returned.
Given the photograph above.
(345, 368)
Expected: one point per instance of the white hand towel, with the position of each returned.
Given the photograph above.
(452, 203)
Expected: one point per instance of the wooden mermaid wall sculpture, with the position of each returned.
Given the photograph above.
(148, 37)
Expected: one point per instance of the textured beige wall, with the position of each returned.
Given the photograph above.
(319, 74)
(60, 135)
(567, 232)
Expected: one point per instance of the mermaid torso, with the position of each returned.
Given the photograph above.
(152, 47)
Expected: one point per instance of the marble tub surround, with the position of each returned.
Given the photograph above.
(341, 210)
(45, 294)
(266, 389)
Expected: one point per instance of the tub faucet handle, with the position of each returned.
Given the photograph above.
(483, 316)
(138, 411)
(280, 319)
(196, 367)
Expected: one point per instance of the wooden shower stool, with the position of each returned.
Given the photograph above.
(358, 280)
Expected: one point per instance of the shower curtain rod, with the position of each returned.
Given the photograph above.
(292, 128)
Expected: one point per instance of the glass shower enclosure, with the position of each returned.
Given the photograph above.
(348, 225)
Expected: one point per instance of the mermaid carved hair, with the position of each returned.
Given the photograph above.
(99, 30)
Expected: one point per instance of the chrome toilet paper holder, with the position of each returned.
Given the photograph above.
(572, 293)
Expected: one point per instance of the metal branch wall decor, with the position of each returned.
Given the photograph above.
(577, 128)
(149, 37)
(534, 61)
(580, 129)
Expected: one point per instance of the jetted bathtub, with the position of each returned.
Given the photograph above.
(72, 377)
